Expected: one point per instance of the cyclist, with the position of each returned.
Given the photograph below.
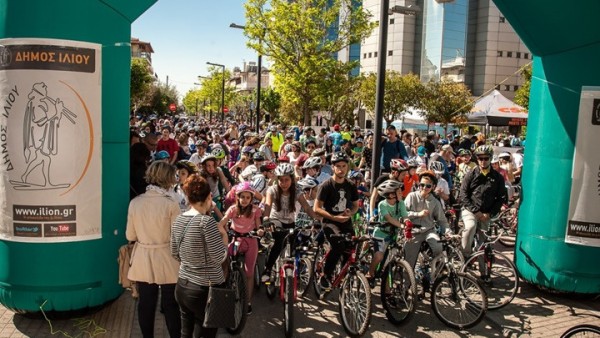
(442, 190)
(282, 203)
(482, 194)
(337, 201)
(220, 155)
(391, 210)
(312, 167)
(425, 211)
(308, 187)
(399, 168)
(245, 217)
(264, 177)
(219, 186)
(326, 170)
(410, 180)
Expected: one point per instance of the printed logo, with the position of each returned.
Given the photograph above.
(596, 113)
(5, 56)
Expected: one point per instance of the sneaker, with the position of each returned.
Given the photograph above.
(371, 281)
(325, 283)
(266, 276)
(249, 309)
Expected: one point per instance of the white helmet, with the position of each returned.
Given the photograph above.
(284, 169)
(437, 167)
(312, 162)
(307, 183)
(388, 186)
(249, 172)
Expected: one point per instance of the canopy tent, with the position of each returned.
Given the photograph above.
(413, 120)
(496, 110)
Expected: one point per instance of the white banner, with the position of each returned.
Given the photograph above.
(50, 138)
(583, 226)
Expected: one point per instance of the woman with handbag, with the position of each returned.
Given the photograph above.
(149, 220)
(201, 247)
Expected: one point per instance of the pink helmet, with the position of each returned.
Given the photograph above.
(244, 187)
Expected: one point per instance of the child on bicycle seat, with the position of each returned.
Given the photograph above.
(391, 210)
(245, 217)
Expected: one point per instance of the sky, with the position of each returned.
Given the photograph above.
(185, 34)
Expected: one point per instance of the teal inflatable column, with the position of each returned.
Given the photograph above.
(64, 81)
(565, 40)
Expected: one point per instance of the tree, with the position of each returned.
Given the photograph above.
(193, 101)
(270, 101)
(301, 38)
(446, 102)
(522, 94)
(212, 88)
(401, 93)
(140, 83)
(341, 96)
(161, 96)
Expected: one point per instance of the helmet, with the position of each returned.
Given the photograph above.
(218, 153)
(312, 162)
(412, 162)
(268, 166)
(464, 152)
(244, 187)
(339, 157)
(234, 142)
(273, 129)
(258, 156)
(284, 169)
(387, 187)
(356, 175)
(505, 154)
(187, 165)
(161, 155)
(495, 159)
(242, 127)
(429, 174)
(209, 157)
(356, 128)
(484, 150)
(319, 152)
(287, 148)
(248, 172)
(437, 167)
(289, 135)
(398, 164)
(248, 150)
(307, 183)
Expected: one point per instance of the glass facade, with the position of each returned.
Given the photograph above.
(444, 40)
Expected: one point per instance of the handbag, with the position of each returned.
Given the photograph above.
(125, 255)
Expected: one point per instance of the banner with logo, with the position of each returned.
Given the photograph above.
(583, 225)
(50, 145)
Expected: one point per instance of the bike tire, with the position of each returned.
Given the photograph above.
(466, 300)
(398, 292)
(503, 285)
(355, 304)
(305, 273)
(256, 276)
(238, 280)
(318, 263)
(288, 303)
(508, 235)
(271, 287)
(585, 330)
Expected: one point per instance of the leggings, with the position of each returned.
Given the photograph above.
(278, 236)
(147, 308)
(249, 247)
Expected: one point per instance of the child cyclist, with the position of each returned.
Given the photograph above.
(308, 187)
(391, 211)
(245, 217)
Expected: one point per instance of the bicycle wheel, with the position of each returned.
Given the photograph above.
(587, 331)
(256, 276)
(500, 284)
(238, 282)
(288, 303)
(398, 291)
(508, 229)
(318, 264)
(458, 300)
(355, 304)
(305, 272)
(271, 286)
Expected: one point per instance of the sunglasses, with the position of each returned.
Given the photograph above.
(424, 185)
(483, 158)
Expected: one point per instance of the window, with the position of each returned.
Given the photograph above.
(515, 88)
(508, 54)
(497, 87)
(390, 52)
(518, 55)
(364, 55)
(391, 21)
(507, 88)
(370, 55)
(375, 54)
(502, 19)
(499, 53)
(526, 56)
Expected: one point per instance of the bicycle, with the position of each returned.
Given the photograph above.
(505, 225)
(585, 330)
(398, 284)
(292, 272)
(237, 281)
(355, 294)
(457, 299)
(496, 271)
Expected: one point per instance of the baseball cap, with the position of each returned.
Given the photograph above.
(336, 127)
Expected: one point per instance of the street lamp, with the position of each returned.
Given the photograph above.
(380, 91)
(258, 81)
(222, 90)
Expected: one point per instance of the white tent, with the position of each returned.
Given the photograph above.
(496, 110)
(413, 120)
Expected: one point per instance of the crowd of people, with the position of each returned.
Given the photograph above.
(193, 181)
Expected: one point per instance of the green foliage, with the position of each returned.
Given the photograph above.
(161, 96)
(212, 88)
(446, 102)
(401, 92)
(193, 102)
(340, 96)
(522, 94)
(270, 101)
(140, 83)
(297, 36)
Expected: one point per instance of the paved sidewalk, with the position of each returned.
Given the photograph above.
(533, 313)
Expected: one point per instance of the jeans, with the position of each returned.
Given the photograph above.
(147, 308)
(338, 247)
(471, 227)
(192, 300)
(413, 246)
